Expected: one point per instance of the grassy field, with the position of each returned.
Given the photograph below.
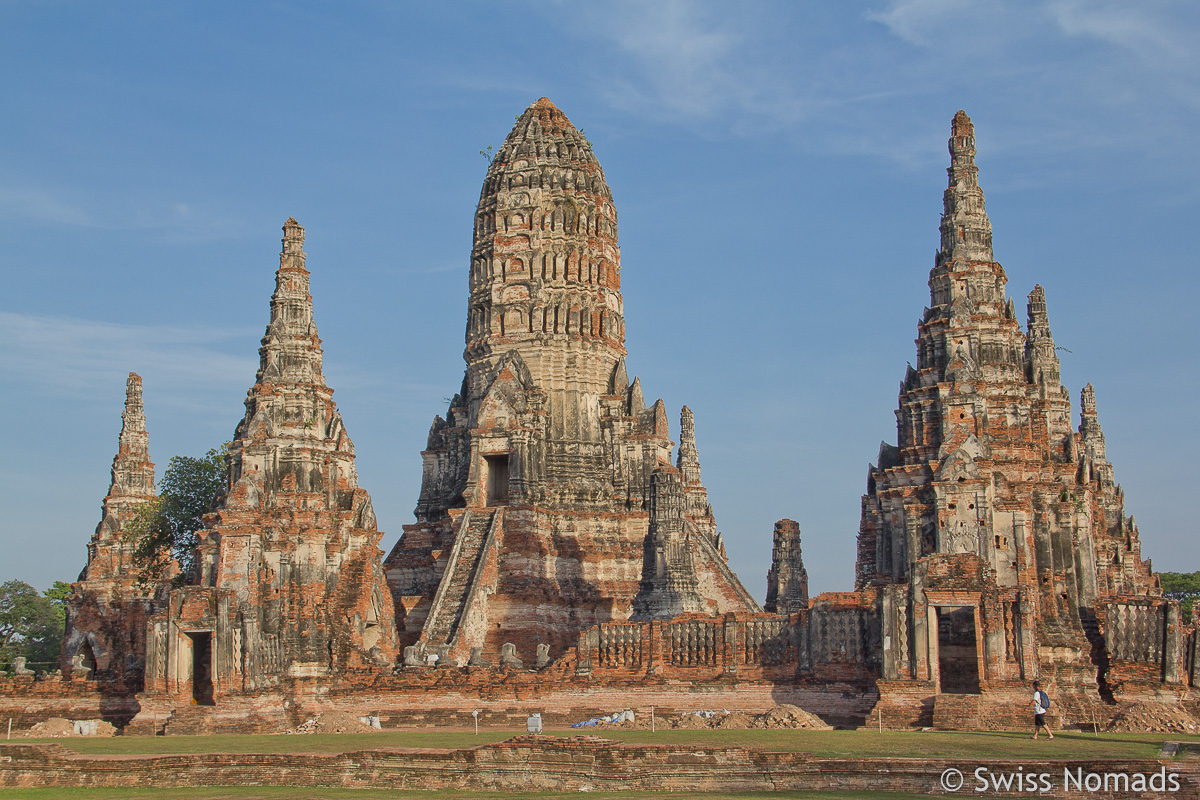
(824, 744)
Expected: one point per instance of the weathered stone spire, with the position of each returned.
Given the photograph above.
(787, 581)
(132, 471)
(966, 229)
(1092, 437)
(291, 348)
(131, 485)
(688, 460)
(688, 464)
(669, 586)
(1040, 355)
(293, 544)
(106, 611)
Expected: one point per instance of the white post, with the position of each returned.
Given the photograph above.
(881, 720)
(10, 727)
(475, 714)
(652, 719)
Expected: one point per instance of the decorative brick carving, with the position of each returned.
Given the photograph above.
(106, 611)
(290, 580)
(787, 581)
(988, 492)
(548, 429)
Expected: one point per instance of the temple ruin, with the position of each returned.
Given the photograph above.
(562, 558)
(288, 578)
(106, 614)
(548, 503)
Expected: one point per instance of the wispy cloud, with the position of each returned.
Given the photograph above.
(38, 205)
(1140, 29)
(168, 219)
(688, 61)
(68, 356)
(946, 23)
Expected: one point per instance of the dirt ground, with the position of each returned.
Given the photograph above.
(333, 722)
(1149, 717)
(57, 727)
(781, 716)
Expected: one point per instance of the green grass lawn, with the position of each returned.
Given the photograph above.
(824, 744)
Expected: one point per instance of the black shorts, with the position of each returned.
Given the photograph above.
(1039, 720)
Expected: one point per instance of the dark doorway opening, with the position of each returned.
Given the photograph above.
(497, 479)
(89, 657)
(202, 684)
(958, 659)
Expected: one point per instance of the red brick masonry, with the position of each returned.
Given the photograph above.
(572, 764)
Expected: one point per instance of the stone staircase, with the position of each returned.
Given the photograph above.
(448, 604)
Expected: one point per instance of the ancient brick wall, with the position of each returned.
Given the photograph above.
(27, 701)
(528, 763)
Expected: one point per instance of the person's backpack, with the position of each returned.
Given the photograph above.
(1044, 699)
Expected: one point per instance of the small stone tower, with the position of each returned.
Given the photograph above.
(534, 518)
(787, 581)
(290, 580)
(106, 612)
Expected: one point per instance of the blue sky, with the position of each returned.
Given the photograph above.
(777, 169)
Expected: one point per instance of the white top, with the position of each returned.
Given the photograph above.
(1037, 703)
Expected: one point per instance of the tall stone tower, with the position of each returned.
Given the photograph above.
(991, 529)
(290, 580)
(534, 515)
(106, 612)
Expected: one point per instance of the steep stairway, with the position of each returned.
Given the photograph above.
(449, 602)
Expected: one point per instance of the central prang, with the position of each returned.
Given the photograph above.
(539, 514)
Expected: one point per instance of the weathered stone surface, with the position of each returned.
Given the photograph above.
(290, 580)
(995, 534)
(787, 581)
(106, 611)
(552, 529)
(534, 519)
(581, 764)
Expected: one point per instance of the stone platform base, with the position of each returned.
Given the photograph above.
(273, 712)
(530, 763)
(908, 705)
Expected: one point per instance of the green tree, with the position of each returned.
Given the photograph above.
(165, 527)
(1181, 586)
(58, 594)
(31, 624)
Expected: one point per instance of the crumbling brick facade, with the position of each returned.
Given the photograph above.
(535, 515)
(787, 581)
(106, 612)
(289, 579)
(558, 557)
(994, 534)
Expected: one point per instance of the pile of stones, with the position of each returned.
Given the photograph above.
(57, 727)
(1148, 717)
